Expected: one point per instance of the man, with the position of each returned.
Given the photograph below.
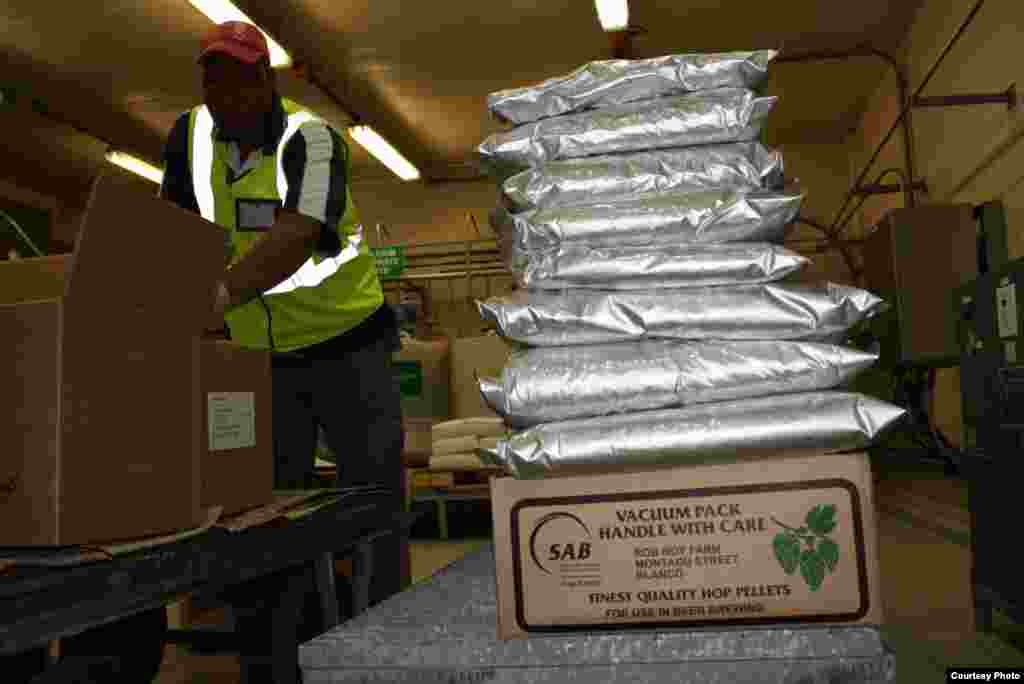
(300, 282)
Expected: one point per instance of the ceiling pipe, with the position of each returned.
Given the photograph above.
(834, 242)
(902, 85)
(1008, 97)
(908, 105)
(889, 188)
(863, 198)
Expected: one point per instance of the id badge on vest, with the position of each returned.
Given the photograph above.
(256, 215)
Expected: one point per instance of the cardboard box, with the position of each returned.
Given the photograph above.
(99, 361)
(791, 540)
(422, 368)
(473, 356)
(416, 453)
(236, 450)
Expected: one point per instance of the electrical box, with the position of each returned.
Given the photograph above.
(914, 259)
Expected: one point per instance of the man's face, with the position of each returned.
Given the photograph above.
(238, 94)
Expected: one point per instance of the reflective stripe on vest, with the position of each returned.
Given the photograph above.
(202, 164)
(310, 274)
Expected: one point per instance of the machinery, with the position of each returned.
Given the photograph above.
(990, 314)
(914, 259)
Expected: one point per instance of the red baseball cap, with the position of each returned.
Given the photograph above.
(236, 38)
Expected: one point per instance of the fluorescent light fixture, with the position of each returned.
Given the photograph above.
(613, 14)
(219, 11)
(384, 152)
(136, 166)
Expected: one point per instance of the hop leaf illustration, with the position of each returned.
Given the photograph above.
(822, 519)
(787, 550)
(828, 551)
(809, 548)
(813, 569)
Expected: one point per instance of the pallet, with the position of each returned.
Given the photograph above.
(448, 480)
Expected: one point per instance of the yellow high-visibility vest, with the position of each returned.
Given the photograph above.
(329, 294)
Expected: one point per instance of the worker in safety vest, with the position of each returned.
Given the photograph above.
(300, 280)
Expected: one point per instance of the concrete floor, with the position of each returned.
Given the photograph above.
(925, 560)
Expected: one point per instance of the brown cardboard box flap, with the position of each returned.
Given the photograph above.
(116, 272)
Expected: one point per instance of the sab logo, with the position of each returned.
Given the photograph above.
(560, 541)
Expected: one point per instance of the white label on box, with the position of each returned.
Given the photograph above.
(752, 554)
(231, 420)
(1006, 310)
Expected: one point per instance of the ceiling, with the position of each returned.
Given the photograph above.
(119, 72)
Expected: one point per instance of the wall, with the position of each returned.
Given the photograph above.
(435, 212)
(426, 212)
(966, 154)
(822, 170)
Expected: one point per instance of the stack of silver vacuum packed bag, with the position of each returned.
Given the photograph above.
(644, 222)
(657, 327)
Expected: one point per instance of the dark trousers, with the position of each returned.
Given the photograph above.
(355, 399)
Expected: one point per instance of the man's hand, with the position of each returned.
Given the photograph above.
(275, 257)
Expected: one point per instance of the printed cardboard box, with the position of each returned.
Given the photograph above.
(784, 541)
(236, 450)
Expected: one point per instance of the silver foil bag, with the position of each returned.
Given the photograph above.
(577, 265)
(711, 216)
(551, 384)
(714, 116)
(569, 182)
(611, 82)
(775, 311)
(707, 433)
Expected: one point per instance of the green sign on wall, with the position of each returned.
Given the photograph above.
(410, 379)
(390, 261)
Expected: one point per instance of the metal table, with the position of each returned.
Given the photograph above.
(444, 630)
(279, 560)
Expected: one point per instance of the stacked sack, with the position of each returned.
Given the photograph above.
(455, 443)
(643, 220)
